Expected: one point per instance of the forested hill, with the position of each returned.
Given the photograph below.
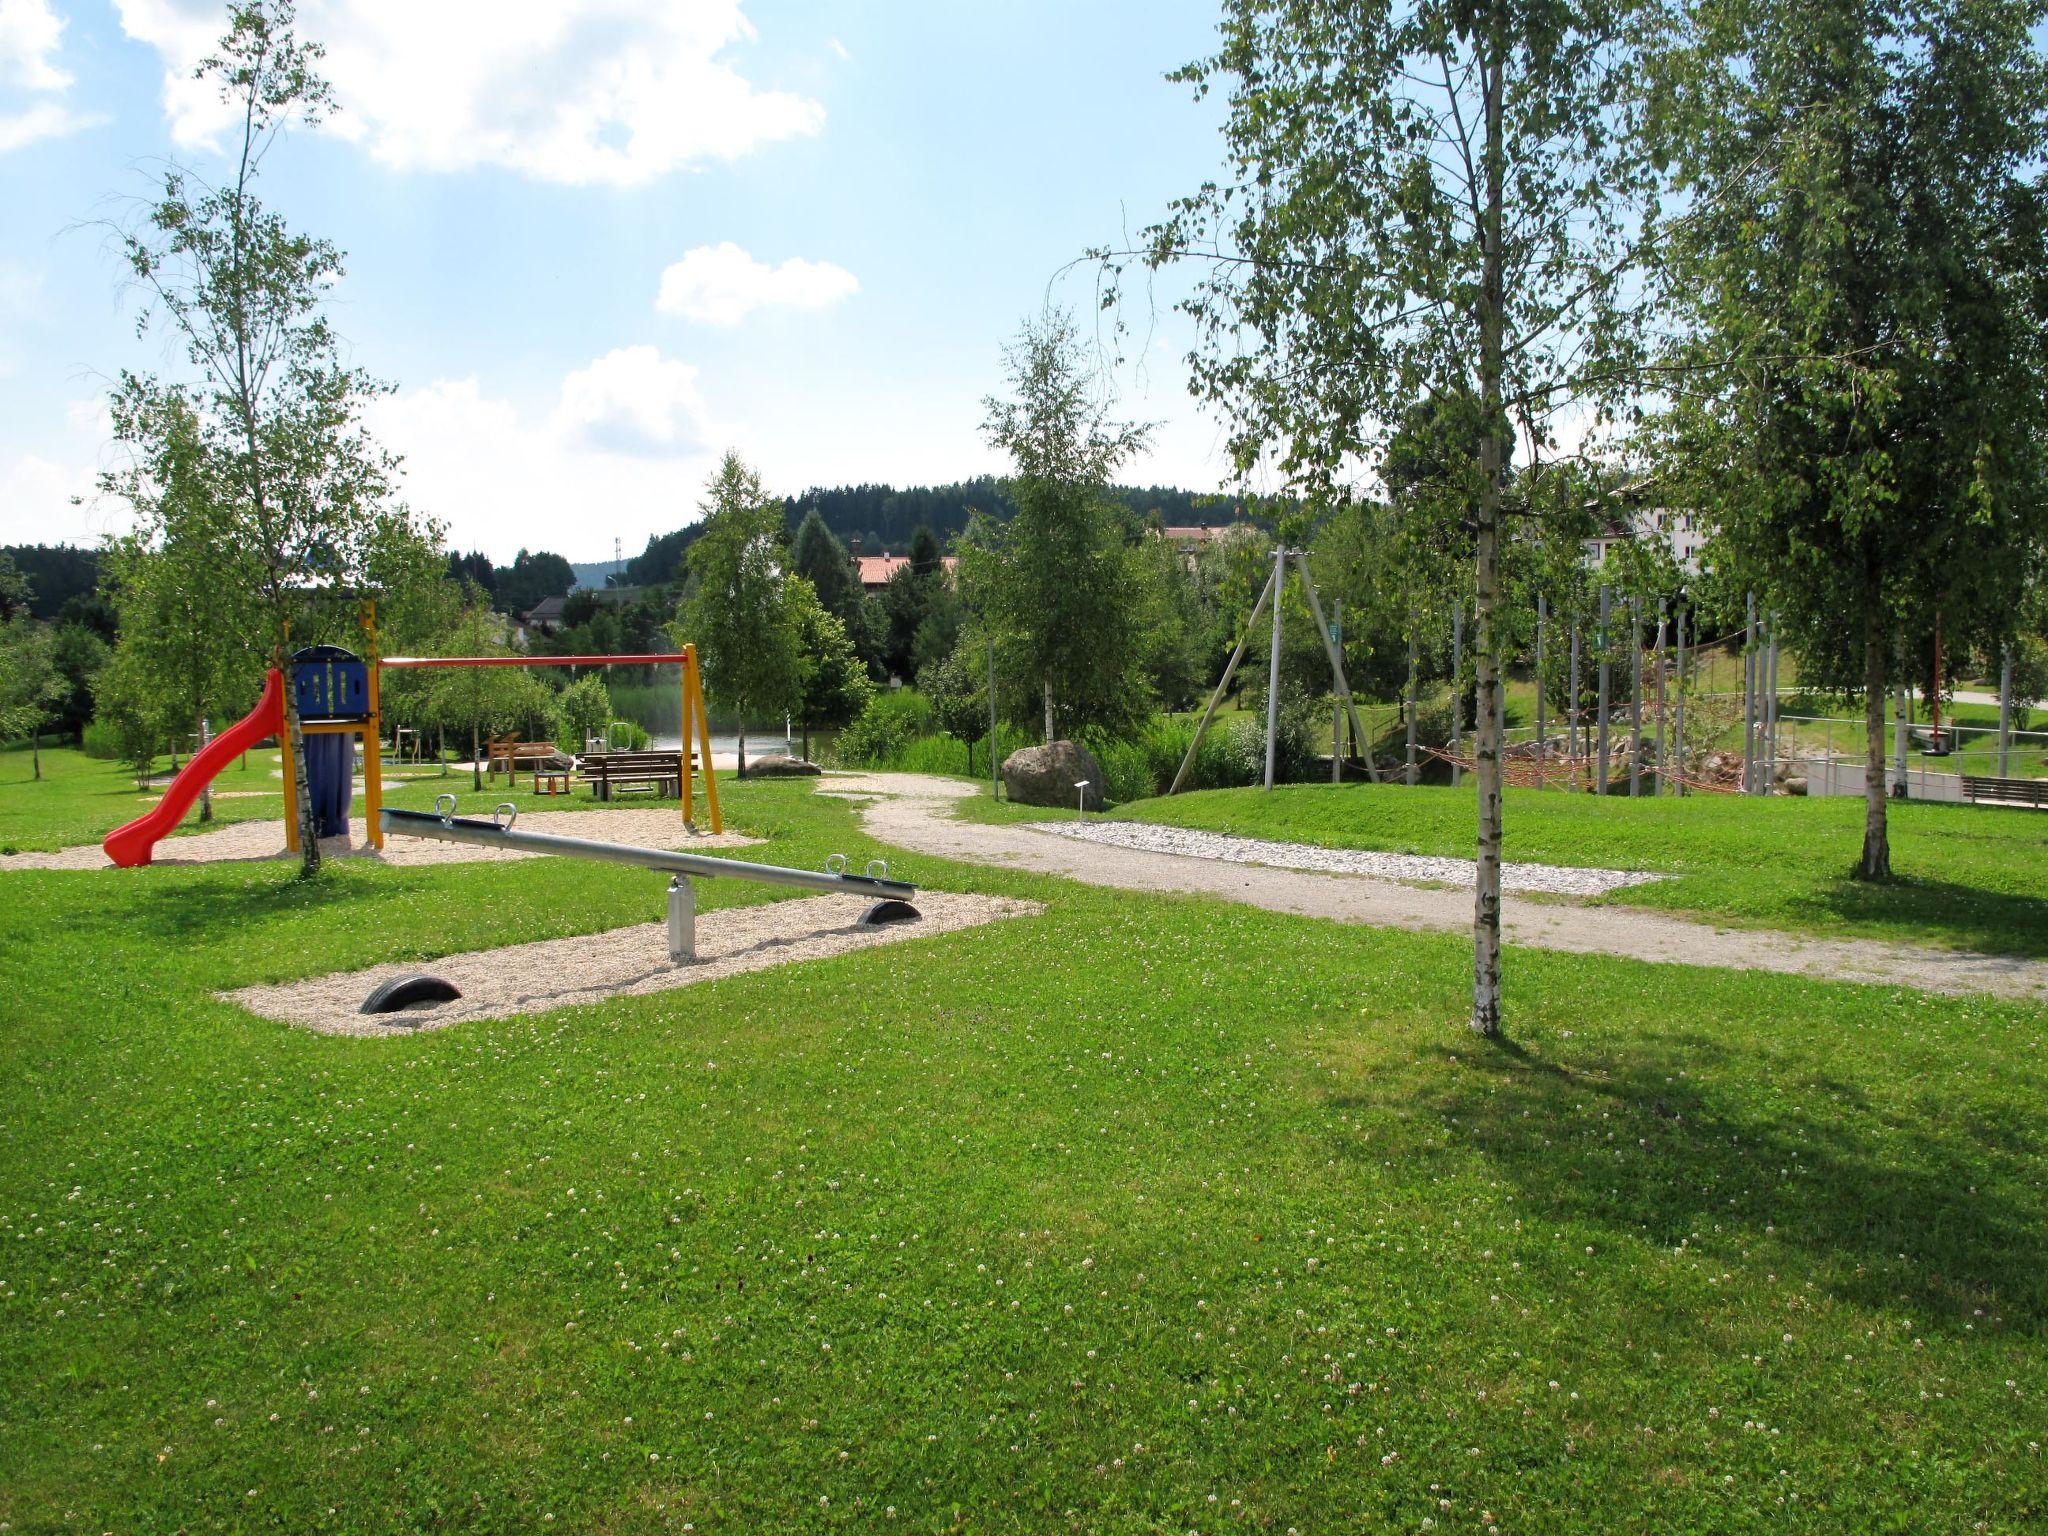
(883, 517)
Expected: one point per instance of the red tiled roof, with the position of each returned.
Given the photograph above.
(875, 570)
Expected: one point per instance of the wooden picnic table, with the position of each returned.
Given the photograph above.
(661, 772)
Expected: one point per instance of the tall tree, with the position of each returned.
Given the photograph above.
(1425, 200)
(835, 680)
(1873, 310)
(301, 482)
(740, 615)
(1056, 580)
(184, 587)
(31, 685)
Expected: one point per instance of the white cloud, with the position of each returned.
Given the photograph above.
(577, 91)
(30, 33)
(623, 452)
(721, 285)
(839, 48)
(633, 400)
(36, 506)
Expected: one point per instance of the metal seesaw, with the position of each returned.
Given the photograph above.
(892, 898)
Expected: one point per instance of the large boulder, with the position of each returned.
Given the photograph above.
(777, 765)
(1047, 775)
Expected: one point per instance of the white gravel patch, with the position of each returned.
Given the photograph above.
(1551, 879)
(647, 826)
(625, 962)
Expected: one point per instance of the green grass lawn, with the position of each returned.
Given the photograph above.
(1968, 877)
(1146, 1215)
(81, 799)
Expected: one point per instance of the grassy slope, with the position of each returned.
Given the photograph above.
(1144, 1215)
(1970, 877)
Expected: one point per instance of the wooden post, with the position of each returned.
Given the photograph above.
(1635, 697)
(1678, 741)
(1749, 700)
(1573, 733)
(1542, 698)
(1457, 688)
(1606, 672)
(1410, 775)
(1663, 617)
(1273, 666)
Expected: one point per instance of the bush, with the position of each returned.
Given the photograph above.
(101, 740)
(883, 731)
(1126, 769)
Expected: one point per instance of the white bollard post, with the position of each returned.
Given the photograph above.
(1081, 800)
(682, 921)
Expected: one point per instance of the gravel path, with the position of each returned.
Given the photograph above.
(1551, 879)
(649, 826)
(914, 811)
(559, 973)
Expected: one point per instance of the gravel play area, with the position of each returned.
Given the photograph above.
(559, 973)
(649, 826)
(1552, 879)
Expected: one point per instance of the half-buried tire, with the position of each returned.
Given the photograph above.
(403, 992)
(883, 913)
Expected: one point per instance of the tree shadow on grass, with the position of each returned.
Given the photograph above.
(1965, 916)
(1892, 1208)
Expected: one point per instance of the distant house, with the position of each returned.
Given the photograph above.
(545, 616)
(1192, 538)
(1680, 532)
(875, 570)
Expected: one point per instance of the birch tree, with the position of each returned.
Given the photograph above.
(302, 489)
(1865, 325)
(1056, 580)
(1423, 201)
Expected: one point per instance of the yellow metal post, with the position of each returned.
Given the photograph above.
(373, 742)
(704, 725)
(683, 697)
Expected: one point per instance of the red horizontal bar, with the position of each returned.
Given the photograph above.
(396, 662)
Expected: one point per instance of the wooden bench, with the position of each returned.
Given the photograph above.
(552, 778)
(606, 772)
(1998, 791)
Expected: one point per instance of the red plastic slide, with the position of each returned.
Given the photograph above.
(133, 844)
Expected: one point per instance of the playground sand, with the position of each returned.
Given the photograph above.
(648, 826)
(625, 962)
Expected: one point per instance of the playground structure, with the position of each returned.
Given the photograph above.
(1271, 593)
(892, 898)
(337, 694)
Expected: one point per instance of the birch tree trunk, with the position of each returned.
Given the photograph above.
(206, 790)
(1486, 1008)
(302, 791)
(1048, 712)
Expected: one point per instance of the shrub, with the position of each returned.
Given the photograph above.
(101, 739)
(883, 731)
(1126, 770)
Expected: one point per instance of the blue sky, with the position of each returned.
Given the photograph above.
(593, 242)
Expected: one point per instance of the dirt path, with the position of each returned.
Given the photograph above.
(914, 811)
